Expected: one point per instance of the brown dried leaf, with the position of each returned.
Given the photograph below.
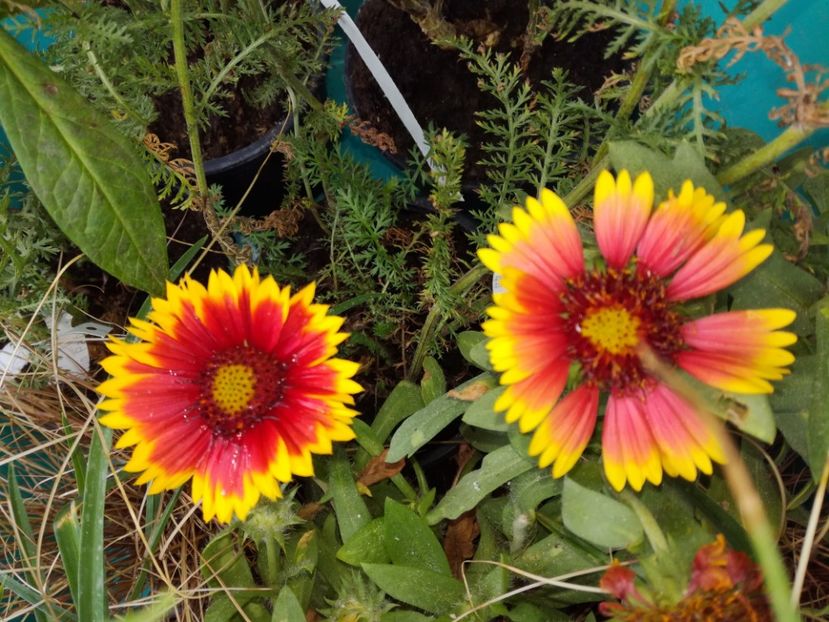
(459, 541)
(470, 393)
(378, 469)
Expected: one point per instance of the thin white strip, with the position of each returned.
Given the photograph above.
(382, 77)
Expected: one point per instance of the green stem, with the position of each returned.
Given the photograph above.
(763, 11)
(638, 84)
(649, 523)
(585, 185)
(272, 559)
(768, 153)
(759, 15)
(180, 54)
(763, 538)
(435, 318)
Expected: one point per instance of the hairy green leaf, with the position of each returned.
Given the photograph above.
(404, 400)
(287, 607)
(351, 510)
(430, 591)
(410, 541)
(88, 177)
(818, 436)
(366, 545)
(597, 518)
(426, 423)
(497, 469)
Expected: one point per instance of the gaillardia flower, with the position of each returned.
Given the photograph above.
(725, 586)
(233, 385)
(556, 312)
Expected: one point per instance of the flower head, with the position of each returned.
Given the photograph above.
(557, 313)
(725, 586)
(233, 385)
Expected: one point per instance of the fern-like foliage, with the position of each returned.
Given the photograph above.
(532, 133)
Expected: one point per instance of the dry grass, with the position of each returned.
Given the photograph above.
(44, 417)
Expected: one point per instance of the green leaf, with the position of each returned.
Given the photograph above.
(426, 423)
(410, 541)
(224, 565)
(777, 283)
(32, 596)
(818, 436)
(156, 612)
(597, 518)
(527, 612)
(481, 413)
(430, 591)
(404, 616)
(479, 356)
(534, 487)
(88, 176)
(433, 383)
(668, 173)
(67, 530)
(791, 401)
(349, 507)
(554, 555)
(752, 415)
(497, 469)
(92, 603)
(26, 536)
(721, 520)
(404, 400)
(766, 483)
(286, 608)
(366, 545)
(467, 340)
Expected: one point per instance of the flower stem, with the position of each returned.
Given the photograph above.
(764, 10)
(180, 54)
(433, 319)
(763, 538)
(768, 153)
(649, 523)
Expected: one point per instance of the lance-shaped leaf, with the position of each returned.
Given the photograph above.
(88, 176)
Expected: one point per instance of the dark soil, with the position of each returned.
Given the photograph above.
(437, 84)
(243, 124)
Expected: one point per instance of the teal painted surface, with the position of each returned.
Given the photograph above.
(748, 103)
(335, 85)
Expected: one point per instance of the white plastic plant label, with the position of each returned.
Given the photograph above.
(72, 348)
(13, 359)
(497, 288)
(72, 354)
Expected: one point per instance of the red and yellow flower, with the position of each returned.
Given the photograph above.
(725, 586)
(558, 315)
(233, 385)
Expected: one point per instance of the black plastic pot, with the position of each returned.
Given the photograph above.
(235, 171)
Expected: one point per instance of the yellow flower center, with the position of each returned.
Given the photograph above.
(233, 387)
(611, 329)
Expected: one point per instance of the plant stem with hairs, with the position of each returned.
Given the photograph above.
(760, 532)
(428, 16)
(187, 103)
